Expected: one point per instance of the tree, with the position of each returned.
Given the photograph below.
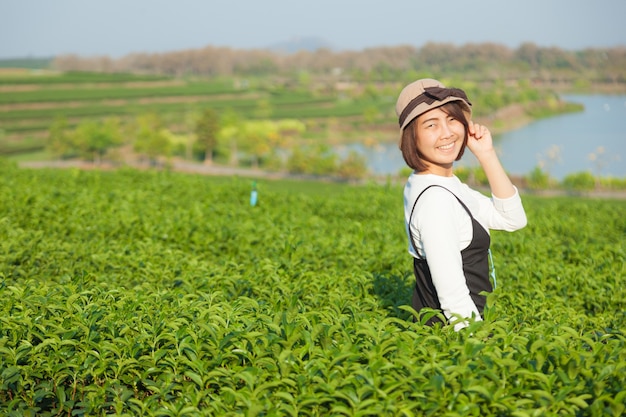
(94, 138)
(228, 137)
(60, 141)
(181, 144)
(257, 138)
(289, 130)
(538, 179)
(151, 139)
(298, 162)
(207, 129)
(316, 160)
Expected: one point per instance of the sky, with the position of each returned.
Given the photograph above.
(114, 28)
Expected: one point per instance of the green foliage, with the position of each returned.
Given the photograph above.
(89, 140)
(580, 181)
(538, 179)
(59, 138)
(124, 95)
(154, 293)
(551, 106)
(94, 139)
(612, 183)
(78, 96)
(77, 77)
(472, 175)
(26, 63)
(370, 114)
(312, 160)
(263, 109)
(25, 145)
(63, 93)
(258, 141)
(151, 139)
(207, 129)
(353, 166)
(404, 172)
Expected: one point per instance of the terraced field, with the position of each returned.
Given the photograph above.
(29, 104)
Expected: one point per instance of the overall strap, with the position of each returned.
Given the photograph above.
(419, 258)
(413, 209)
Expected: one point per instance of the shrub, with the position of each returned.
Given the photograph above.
(581, 181)
(353, 166)
(158, 294)
(538, 179)
(612, 183)
(472, 175)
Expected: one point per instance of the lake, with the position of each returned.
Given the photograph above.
(593, 140)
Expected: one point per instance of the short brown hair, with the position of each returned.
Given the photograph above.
(408, 142)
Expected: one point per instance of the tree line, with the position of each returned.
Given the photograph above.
(223, 138)
(484, 61)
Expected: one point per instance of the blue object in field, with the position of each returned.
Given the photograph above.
(253, 195)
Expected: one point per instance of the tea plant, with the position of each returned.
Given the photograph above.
(160, 294)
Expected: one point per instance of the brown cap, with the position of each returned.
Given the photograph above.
(427, 94)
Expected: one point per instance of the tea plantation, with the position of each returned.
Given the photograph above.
(162, 294)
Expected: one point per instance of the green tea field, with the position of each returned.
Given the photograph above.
(146, 293)
(29, 104)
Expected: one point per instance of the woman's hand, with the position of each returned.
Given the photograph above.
(479, 140)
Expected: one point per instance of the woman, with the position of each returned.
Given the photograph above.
(448, 223)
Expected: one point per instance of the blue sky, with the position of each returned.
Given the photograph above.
(41, 28)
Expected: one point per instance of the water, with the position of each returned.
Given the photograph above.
(593, 140)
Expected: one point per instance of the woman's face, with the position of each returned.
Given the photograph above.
(439, 139)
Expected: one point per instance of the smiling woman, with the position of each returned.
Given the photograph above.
(440, 139)
(447, 223)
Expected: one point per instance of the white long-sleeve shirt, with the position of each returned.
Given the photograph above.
(442, 229)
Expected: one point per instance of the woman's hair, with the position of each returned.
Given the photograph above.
(408, 142)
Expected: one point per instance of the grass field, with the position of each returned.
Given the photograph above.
(162, 294)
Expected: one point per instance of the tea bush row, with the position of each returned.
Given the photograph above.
(162, 294)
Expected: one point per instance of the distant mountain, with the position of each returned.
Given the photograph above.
(300, 44)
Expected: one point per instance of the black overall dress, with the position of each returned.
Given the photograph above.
(475, 268)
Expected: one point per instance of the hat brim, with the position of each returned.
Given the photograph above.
(424, 107)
